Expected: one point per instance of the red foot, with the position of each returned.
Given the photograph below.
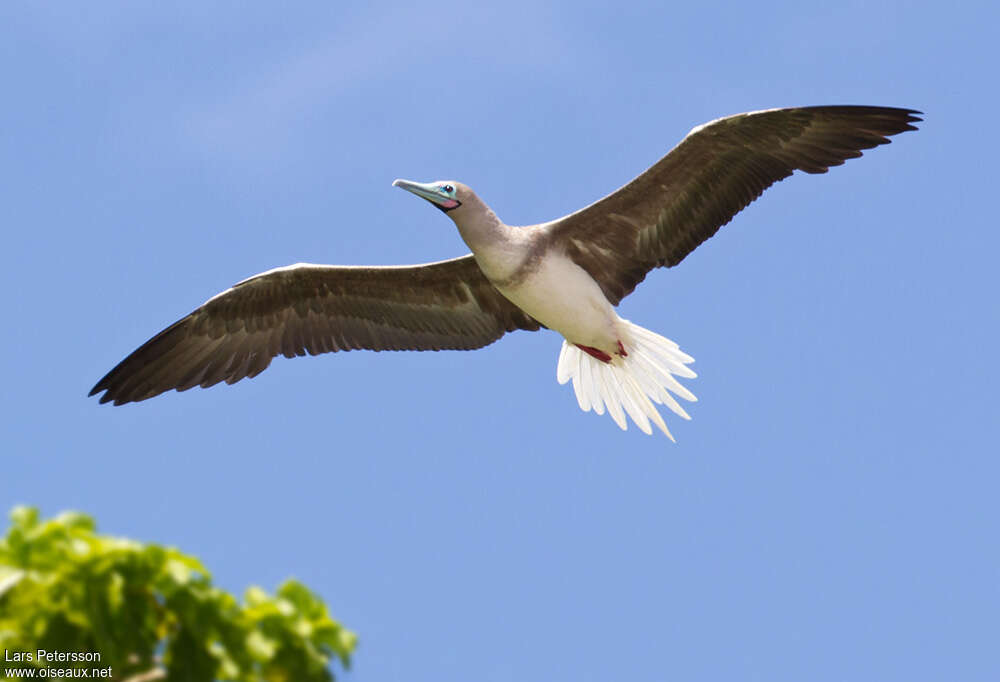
(595, 352)
(600, 354)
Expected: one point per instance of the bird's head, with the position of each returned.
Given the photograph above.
(476, 222)
(445, 194)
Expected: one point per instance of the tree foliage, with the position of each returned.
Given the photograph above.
(152, 612)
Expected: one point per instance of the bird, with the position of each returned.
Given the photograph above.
(567, 275)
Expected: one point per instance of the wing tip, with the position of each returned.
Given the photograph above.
(101, 385)
(109, 396)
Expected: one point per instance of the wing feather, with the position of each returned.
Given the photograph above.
(317, 309)
(715, 172)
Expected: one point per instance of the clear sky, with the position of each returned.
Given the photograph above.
(830, 513)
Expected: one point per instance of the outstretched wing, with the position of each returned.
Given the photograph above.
(299, 309)
(713, 174)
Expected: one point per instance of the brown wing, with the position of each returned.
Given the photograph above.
(715, 172)
(317, 309)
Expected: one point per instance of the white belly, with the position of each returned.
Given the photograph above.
(562, 296)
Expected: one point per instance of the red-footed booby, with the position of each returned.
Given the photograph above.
(567, 274)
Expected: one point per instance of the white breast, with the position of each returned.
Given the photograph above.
(562, 296)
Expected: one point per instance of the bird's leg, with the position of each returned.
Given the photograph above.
(600, 354)
(595, 352)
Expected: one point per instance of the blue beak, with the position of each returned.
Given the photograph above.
(429, 191)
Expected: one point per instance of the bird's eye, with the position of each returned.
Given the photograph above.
(448, 189)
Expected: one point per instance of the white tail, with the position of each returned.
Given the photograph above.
(630, 384)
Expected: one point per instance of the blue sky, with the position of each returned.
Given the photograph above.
(829, 513)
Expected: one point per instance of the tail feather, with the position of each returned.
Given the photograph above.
(586, 378)
(657, 380)
(630, 385)
(612, 397)
(583, 397)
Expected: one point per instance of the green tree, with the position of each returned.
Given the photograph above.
(150, 612)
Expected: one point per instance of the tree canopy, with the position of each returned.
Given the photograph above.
(149, 612)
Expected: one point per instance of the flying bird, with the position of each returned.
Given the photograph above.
(567, 275)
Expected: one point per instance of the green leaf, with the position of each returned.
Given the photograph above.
(9, 577)
(64, 587)
(260, 647)
(24, 517)
(180, 572)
